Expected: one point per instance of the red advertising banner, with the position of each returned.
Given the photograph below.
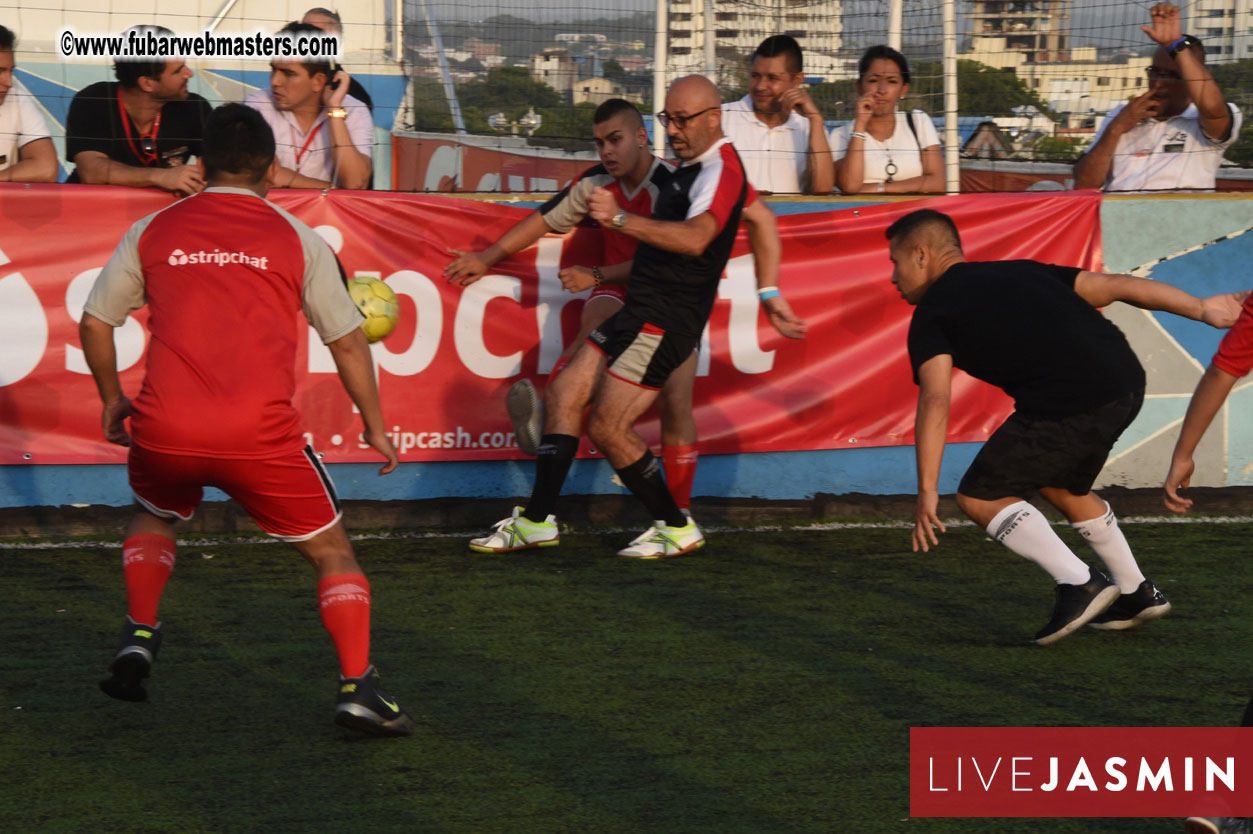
(1080, 771)
(444, 372)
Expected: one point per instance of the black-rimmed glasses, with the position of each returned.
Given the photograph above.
(1164, 74)
(681, 121)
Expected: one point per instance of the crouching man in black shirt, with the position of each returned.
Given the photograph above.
(1033, 330)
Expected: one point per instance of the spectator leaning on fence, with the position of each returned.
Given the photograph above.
(26, 152)
(323, 134)
(1174, 135)
(881, 150)
(141, 130)
(777, 129)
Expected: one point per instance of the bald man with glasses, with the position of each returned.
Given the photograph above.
(1174, 135)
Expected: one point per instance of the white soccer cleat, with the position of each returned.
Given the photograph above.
(662, 542)
(517, 532)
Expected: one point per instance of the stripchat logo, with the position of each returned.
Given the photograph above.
(180, 258)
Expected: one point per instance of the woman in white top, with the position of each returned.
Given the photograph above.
(881, 150)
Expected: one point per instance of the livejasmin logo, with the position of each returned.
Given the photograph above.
(217, 257)
(1023, 775)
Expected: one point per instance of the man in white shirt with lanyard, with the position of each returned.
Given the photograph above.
(323, 135)
(1174, 135)
(777, 129)
(26, 152)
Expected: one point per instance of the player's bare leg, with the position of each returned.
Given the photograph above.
(1139, 600)
(526, 409)
(619, 404)
(678, 432)
(1082, 592)
(344, 601)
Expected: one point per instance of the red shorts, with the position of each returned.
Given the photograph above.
(615, 291)
(290, 497)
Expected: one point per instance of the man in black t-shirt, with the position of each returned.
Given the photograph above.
(1033, 330)
(142, 130)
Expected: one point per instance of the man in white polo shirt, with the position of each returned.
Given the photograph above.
(777, 129)
(26, 152)
(323, 136)
(1171, 137)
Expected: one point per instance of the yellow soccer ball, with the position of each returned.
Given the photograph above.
(377, 303)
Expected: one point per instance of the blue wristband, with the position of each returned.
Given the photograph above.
(766, 293)
(1171, 48)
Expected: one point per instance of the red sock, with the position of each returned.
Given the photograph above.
(562, 361)
(680, 464)
(147, 561)
(345, 602)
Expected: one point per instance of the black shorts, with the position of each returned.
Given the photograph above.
(638, 352)
(1027, 453)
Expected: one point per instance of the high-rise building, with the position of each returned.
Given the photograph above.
(739, 26)
(1037, 30)
(1225, 27)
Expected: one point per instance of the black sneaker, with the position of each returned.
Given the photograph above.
(1076, 605)
(1129, 610)
(527, 413)
(364, 706)
(133, 661)
(1216, 825)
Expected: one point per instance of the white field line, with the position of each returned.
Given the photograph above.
(820, 527)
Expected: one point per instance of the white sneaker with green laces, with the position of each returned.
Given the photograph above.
(517, 532)
(662, 542)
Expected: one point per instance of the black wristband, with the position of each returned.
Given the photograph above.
(1186, 42)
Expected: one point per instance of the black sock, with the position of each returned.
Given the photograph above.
(556, 453)
(644, 478)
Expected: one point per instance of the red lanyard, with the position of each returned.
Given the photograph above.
(309, 141)
(147, 157)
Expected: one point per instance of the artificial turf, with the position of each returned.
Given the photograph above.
(765, 685)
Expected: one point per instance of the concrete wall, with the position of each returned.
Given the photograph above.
(1136, 231)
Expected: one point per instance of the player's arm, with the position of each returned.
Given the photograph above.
(684, 237)
(356, 371)
(1101, 289)
(469, 267)
(1211, 392)
(762, 229)
(97, 169)
(100, 351)
(37, 162)
(579, 278)
(935, 386)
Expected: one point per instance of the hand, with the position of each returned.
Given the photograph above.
(113, 420)
(784, 320)
(1179, 476)
(1222, 310)
(1165, 28)
(382, 444)
(183, 180)
(865, 109)
(601, 206)
(577, 278)
(466, 268)
(926, 518)
(335, 97)
(798, 99)
(1143, 106)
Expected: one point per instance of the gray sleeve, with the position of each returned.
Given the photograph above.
(119, 288)
(565, 211)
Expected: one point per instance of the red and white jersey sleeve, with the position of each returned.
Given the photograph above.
(718, 187)
(1235, 352)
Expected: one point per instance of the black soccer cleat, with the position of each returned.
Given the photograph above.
(526, 411)
(1130, 610)
(1076, 605)
(363, 706)
(133, 661)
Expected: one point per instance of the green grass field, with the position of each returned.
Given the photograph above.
(764, 686)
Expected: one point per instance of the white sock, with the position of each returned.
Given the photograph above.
(1024, 529)
(1110, 544)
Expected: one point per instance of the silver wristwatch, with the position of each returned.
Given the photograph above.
(619, 219)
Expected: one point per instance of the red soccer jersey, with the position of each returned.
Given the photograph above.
(225, 275)
(1235, 352)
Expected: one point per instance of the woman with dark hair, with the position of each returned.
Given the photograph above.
(881, 150)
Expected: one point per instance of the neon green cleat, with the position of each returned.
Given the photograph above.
(517, 532)
(662, 542)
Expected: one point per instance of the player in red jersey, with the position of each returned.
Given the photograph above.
(224, 274)
(630, 172)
